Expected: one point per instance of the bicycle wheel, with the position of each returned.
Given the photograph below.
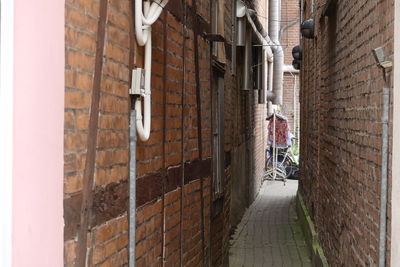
(286, 166)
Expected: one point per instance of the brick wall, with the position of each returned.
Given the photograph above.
(290, 24)
(291, 107)
(179, 222)
(290, 37)
(341, 98)
(248, 130)
(97, 78)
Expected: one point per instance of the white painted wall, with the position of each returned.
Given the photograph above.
(6, 126)
(37, 196)
(395, 236)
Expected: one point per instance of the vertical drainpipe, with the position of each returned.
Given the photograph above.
(274, 26)
(270, 84)
(384, 173)
(132, 188)
(380, 58)
(395, 200)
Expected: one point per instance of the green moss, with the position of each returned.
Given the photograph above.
(311, 236)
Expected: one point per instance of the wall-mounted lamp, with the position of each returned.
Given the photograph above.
(297, 52)
(379, 55)
(307, 29)
(296, 64)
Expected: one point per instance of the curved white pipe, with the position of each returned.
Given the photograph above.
(289, 68)
(143, 24)
(240, 9)
(143, 125)
(155, 12)
(274, 53)
(265, 41)
(152, 19)
(141, 35)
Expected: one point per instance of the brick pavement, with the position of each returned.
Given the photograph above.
(269, 233)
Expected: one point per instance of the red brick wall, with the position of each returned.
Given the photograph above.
(290, 37)
(341, 98)
(178, 222)
(290, 20)
(107, 224)
(291, 107)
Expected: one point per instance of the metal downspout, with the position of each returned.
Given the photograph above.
(270, 108)
(268, 60)
(132, 188)
(274, 27)
(384, 173)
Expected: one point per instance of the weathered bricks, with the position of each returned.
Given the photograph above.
(341, 98)
(174, 223)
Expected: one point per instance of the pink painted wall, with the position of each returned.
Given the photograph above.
(38, 133)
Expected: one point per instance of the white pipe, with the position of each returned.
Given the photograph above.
(146, 8)
(395, 160)
(270, 83)
(274, 25)
(273, 49)
(290, 69)
(264, 40)
(240, 9)
(269, 56)
(143, 36)
(143, 125)
(154, 12)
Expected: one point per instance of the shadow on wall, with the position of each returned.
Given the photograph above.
(240, 187)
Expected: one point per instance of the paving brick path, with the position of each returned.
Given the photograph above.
(269, 233)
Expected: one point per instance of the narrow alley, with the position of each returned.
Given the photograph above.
(269, 233)
(156, 133)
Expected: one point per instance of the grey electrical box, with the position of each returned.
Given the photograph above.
(137, 85)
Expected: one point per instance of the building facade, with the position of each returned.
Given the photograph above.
(203, 163)
(290, 37)
(341, 128)
(75, 58)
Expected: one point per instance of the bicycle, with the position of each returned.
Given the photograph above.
(286, 165)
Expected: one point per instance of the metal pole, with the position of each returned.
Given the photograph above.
(132, 189)
(295, 107)
(384, 174)
(274, 150)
